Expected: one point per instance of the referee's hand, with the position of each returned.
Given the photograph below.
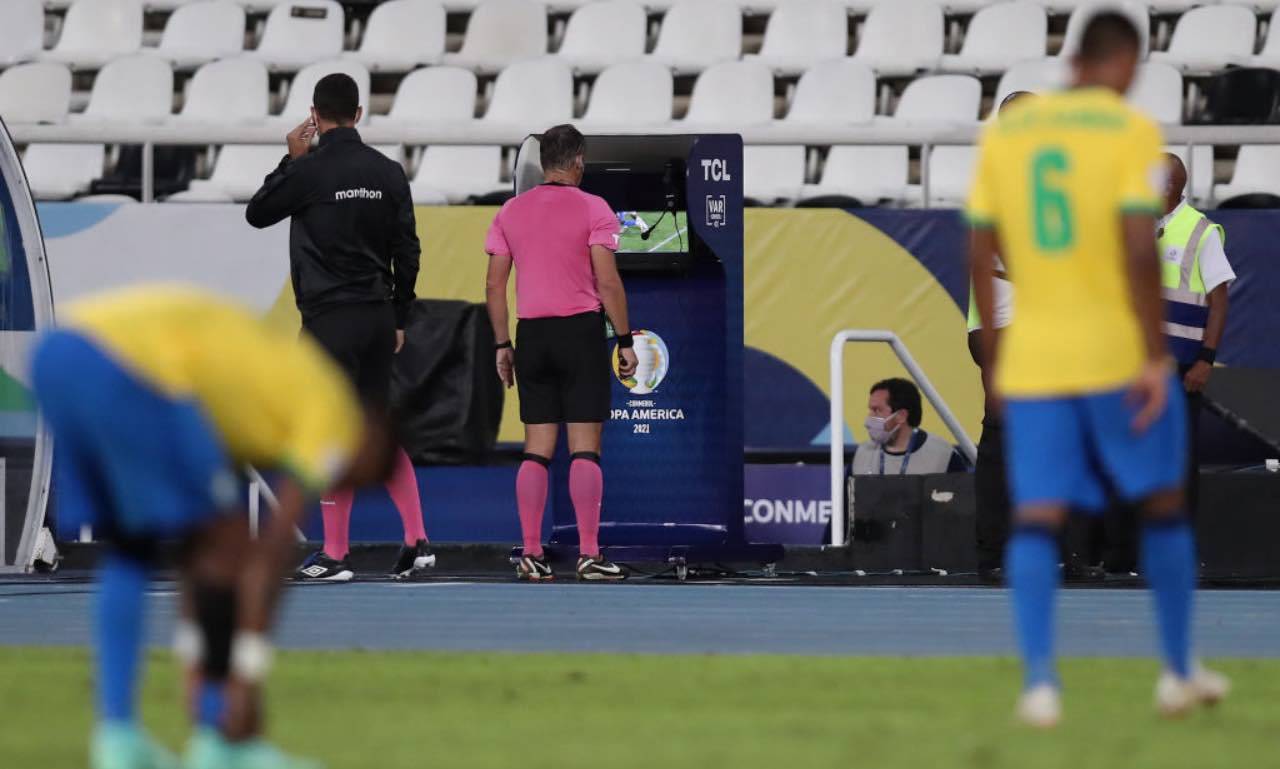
(507, 366)
(626, 361)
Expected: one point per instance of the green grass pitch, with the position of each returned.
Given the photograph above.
(664, 237)
(361, 710)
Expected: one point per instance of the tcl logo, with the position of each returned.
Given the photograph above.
(715, 170)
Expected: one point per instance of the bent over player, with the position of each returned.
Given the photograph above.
(561, 241)
(154, 396)
(1068, 187)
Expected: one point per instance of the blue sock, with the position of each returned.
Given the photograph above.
(212, 704)
(1032, 565)
(1169, 566)
(122, 587)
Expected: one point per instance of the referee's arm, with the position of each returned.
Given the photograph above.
(406, 252)
(495, 295)
(285, 191)
(614, 298)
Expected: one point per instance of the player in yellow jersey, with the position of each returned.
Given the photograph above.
(155, 396)
(1067, 189)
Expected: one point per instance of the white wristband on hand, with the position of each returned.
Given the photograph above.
(188, 643)
(251, 655)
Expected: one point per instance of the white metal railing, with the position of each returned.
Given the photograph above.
(838, 342)
(272, 131)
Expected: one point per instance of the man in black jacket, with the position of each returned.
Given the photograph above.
(353, 253)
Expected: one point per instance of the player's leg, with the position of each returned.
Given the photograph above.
(538, 386)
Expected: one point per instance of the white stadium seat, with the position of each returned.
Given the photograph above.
(802, 33)
(21, 31)
(698, 33)
(732, 93)
(434, 95)
(602, 33)
(1036, 76)
(456, 174)
(1270, 54)
(301, 91)
(901, 37)
(939, 99)
(501, 32)
(230, 91)
(631, 93)
(62, 171)
(1200, 169)
(237, 174)
(1261, 6)
(950, 171)
(834, 92)
(1137, 12)
(1209, 38)
(135, 89)
(999, 36)
(772, 173)
(401, 35)
(198, 33)
(1257, 170)
(867, 174)
(1157, 91)
(97, 31)
(300, 33)
(35, 93)
(536, 94)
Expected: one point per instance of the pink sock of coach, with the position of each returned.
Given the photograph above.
(531, 499)
(403, 488)
(586, 489)
(335, 510)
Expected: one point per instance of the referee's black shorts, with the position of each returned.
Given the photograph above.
(562, 369)
(361, 339)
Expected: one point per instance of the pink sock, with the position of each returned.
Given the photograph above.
(586, 488)
(403, 488)
(531, 499)
(335, 510)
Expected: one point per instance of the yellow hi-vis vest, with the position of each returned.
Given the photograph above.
(1185, 300)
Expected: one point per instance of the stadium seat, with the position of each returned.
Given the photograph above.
(950, 171)
(134, 89)
(237, 174)
(97, 31)
(1207, 39)
(867, 175)
(771, 174)
(1157, 91)
(732, 93)
(1269, 56)
(1000, 36)
(631, 93)
(35, 93)
(1257, 171)
(1247, 95)
(198, 33)
(802, 33)
(1200, 169)
(300, 33)
(535, 94)
(939, 99)
(298, 105)
(698, 33)
(21, 31)
(1261, 6)
(1036, 76)
(434, 95)
(231, 91)
(834, 92)
(901, 38)
(62, 171)
(1084, 11)
(402, 34)
(602, 33)
(457, 174)
(501, 32)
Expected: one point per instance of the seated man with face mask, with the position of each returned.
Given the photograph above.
(897, 445)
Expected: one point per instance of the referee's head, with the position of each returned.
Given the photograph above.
(561, 151)
(335, 102)
(1109, 51)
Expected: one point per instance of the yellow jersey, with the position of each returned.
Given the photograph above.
(1054, 177)
(275, 400)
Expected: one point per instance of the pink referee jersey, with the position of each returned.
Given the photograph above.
(548, 232)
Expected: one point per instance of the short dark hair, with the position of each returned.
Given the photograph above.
(560, 145)
(336, 98)
(1106, 34)
(903, 396)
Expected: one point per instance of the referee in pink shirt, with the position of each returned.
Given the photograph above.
(561, 241)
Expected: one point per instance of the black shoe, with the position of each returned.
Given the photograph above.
(594, 568)
(534, 568)
(991, 576)
(413, 560)
(321, 568)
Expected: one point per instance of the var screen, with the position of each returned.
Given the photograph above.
(653, 232)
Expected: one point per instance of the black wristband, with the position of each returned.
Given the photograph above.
(503, 346)
(626, 341)
(1208, 355)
